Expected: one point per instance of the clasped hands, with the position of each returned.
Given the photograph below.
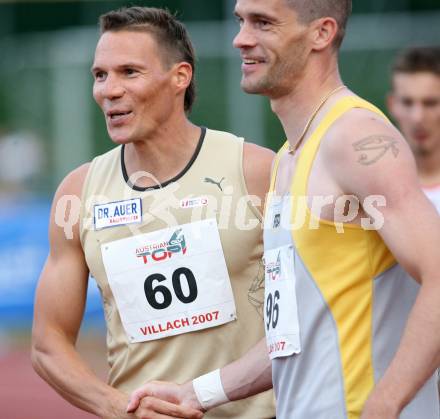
(161, 400)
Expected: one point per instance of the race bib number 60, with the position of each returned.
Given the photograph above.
(170, 281)
(280, 307)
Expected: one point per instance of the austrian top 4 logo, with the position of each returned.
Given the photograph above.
(160, 251)
(273, 269)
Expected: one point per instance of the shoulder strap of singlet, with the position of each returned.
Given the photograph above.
(308, 153)
(273, 176)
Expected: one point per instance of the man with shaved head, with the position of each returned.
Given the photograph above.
(352, 287)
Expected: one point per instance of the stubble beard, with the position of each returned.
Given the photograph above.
(280, 78)
(258, 87)
(272, 84)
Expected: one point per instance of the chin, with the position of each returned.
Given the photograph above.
(119, 137)
(423, 149)
(252, 88)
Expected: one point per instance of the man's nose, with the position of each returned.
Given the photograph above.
(112, 88)
(245, 38)
(418, 113)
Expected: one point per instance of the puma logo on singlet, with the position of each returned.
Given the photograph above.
(209, 180)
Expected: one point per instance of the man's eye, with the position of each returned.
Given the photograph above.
(431, 103)
(263, 24)
(239, 20)
(130, 71)
(99, 76)
(407, 103)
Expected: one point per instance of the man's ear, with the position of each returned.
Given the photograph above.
(324, 33)
(183, 74)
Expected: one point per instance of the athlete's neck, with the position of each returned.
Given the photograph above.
(295, 109)
(428, 166)
(164, 155)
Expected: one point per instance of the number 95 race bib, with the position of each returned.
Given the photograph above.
(170, 281)
(280, 306)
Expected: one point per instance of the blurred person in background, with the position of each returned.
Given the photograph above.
(414, 102)
(177, 303)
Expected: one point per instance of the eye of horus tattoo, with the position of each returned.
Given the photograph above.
(373, 148)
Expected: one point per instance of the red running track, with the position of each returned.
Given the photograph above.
(24, 395)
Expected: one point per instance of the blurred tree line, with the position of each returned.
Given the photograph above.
(22, 16)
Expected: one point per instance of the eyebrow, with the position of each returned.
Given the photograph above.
(256, 16)
(121, 66)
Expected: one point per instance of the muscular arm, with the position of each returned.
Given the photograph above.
(377, 161)
(59, 307)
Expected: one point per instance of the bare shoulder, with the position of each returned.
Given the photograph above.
(365, 138)
(73, 183)
(363, 149)
(255, 151)
(65, 212)
(256, 158)
(257, 164)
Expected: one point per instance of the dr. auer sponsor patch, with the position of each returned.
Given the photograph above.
(118, 213)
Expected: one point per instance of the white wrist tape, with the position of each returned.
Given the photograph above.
(209, 390)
